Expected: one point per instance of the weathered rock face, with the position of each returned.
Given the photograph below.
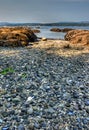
(16, 36)
(78, 36)
(55, 30)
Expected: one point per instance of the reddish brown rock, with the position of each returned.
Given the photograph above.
(16, 36)
(78, 36)
(72, 33)
(55, 30)
(36, 30)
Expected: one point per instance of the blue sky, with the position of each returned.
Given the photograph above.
(44, 10)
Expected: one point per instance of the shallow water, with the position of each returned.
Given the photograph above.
(45, 31)
(49, 34)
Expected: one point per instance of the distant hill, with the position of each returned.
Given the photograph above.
(3, 23)
(46, 24)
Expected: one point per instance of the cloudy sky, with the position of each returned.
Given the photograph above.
(44, 10)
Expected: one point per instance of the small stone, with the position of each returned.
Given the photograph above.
(44, 39)
(47, 88)
(21, 127)
(70, 113)
(69, 81)
(1, 104)
(87, 110)
(67, 104)
(1, 120)
(26, 104)
(19, 89)
(81, 87)
(36, 125)
(80, 106)
(31, 126)
(75, 128)
(16, 100)
(87, 102)
(5, 128)
(30, 110)
(79, 120)
(16, 118)
(29, 99)
(50, 110)
(66, 95)
(79, 126)
(4, 113)
(75, 95)
(11, 112)
(8, 105)
(56, 87)
(85, 121)
(43, 124)
(24, 110)
(13, 128)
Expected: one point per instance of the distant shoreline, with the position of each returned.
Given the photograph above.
(46, 24)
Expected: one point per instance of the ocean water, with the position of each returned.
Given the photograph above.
(45, 31)
(45, 28)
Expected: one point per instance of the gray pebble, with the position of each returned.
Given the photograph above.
(87, 102)
(21, 127)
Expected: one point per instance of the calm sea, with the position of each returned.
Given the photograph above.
(45, 31)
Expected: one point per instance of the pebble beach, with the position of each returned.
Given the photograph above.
(44, 86)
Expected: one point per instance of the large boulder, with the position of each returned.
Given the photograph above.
(16, 36)
(78, 36)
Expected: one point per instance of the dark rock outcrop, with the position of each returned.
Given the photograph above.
(55, 30)
(16, 36)
(61, 30)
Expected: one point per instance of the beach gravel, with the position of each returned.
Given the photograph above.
(44, 86)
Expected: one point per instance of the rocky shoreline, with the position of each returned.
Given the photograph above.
(44, 86)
